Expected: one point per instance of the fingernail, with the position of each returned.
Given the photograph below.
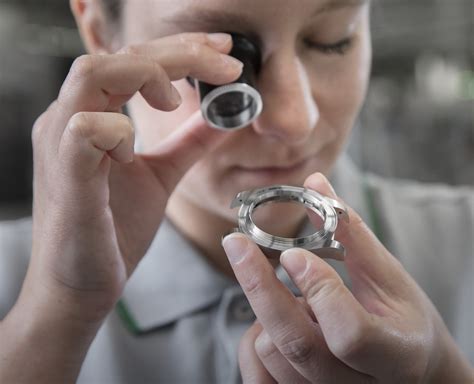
(219, 39)
(294, 262)
(320, 178)
(232, 62)
(175, 96)
(235, 246)
(130, 157)
(328, 183)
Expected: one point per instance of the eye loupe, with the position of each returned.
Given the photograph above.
(235, 105)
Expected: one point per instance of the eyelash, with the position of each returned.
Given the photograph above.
(339, 48)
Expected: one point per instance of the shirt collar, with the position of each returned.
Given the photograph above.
(174, 279)
(349, 183)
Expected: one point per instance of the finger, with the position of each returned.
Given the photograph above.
(371, 267)
(251, 368)
(177, 55)
(106, 82)
(274, 362)
(221, 41)
(289, 325)
(171, 158)
(39, 129)
(90, 137)
(349, 330)
(329, 368)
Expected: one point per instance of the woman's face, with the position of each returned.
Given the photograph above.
(316, 61)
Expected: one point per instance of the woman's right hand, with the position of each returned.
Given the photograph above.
(97, 205)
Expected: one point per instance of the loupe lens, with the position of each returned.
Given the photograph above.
(235, 105)
(230, 104)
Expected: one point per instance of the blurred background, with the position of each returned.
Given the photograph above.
(418, 122)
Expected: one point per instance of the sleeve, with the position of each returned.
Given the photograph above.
(15, 249)
(430, 228)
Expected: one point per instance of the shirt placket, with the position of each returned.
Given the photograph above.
(234, 317)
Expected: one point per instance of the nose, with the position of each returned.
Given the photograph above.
(289, 113)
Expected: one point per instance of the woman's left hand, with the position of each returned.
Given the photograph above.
(384, 330)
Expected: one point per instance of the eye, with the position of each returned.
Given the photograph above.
(339, 48)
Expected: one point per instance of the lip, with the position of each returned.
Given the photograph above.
(286, 168)
(272, 174)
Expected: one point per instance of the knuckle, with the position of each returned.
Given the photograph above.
(83, 66)
(265, 348)
(80, 125)
(38, 128)
(52, 107)
(40, 124)
(186, 37)
(246, 342)
(132, 49)
(321, 285)
(183, 38)
(159, 70)
(298, 350)
(194, 49)
(128, 130)
(322, 289)
(253, 285)
(161, 80)
(201, 38)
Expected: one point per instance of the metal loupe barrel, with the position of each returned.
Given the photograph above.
(236, 105)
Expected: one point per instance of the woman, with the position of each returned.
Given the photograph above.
(180, 314)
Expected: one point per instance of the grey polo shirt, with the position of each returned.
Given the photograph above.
(180, 321)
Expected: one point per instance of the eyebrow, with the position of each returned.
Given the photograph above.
(196, 17)
(332, 5)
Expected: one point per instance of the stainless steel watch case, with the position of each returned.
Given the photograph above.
(321, 242)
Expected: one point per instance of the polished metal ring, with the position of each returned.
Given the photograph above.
(321, 242)
(239, 120)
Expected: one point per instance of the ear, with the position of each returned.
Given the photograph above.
(99, 34)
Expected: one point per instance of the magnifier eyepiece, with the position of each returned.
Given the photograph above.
(235, 105)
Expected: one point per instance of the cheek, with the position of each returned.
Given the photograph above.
(202, 180)
(339, 89)
(343, 97)
(205, 186)
(153, 125)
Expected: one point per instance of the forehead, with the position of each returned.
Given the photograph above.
(173, 16)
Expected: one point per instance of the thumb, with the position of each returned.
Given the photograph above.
(172, 158)
(370, 265)
(347, 327)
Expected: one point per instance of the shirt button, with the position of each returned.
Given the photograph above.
(242, 311)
